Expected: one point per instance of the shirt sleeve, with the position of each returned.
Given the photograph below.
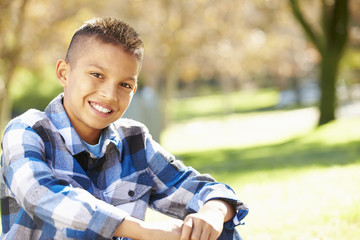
(50, 202)
(181, 190)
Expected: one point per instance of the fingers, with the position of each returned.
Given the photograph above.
(208, 233)
(213, 236)
(196, 229)
(186, 229)
(205, 235)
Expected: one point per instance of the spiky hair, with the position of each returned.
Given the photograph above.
(107, 30)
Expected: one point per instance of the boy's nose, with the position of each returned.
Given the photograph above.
(109, 92)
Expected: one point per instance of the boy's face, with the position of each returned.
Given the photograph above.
(98, 87)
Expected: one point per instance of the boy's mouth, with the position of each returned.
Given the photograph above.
(100, 108)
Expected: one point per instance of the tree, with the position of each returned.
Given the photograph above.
(11, 29)
(330, 42)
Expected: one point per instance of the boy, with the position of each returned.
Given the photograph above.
(80, 171)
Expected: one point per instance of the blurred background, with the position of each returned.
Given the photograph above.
(262, 94)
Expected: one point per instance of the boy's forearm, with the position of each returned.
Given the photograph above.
(134, 228)
(130, 227)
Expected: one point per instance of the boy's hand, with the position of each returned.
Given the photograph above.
(203, 226)
(208, 223)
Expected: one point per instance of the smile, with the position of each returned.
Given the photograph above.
(100, 108)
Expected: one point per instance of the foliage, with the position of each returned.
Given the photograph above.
(32, 92)
(238, 44)
(351, 61)
(28, 40)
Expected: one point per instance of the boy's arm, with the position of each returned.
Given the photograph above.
(136, 229)
(179, 190)
(206, 224)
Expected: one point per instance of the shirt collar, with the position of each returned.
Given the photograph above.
(58, 116)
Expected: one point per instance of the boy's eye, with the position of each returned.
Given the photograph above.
(97, 75)
(126, 85)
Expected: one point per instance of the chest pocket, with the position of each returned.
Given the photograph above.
(129, 189)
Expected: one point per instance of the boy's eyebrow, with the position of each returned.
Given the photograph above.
(132, 78)
(97, 66)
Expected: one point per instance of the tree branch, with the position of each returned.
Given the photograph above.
(306, 26)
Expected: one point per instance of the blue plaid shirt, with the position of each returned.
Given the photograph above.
(53, 187)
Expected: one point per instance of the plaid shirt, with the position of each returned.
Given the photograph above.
(53, 187)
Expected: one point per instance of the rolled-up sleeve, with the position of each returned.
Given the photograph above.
(181, 190)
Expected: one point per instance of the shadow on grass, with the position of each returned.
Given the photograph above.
(291, 154)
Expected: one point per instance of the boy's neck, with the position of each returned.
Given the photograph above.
(90, 137)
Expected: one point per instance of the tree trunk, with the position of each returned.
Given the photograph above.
(328, 75)
(330, 44)
(13, 19)
(168, 91)
(5, 111)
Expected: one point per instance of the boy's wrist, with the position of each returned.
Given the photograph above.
(130, 227)
(223, 208)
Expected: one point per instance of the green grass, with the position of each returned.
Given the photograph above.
(335, 144)
(305, 187)
(301, 182)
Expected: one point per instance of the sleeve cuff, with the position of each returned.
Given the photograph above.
(237, 220)
(104, 222)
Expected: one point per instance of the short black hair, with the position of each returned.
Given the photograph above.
(107, 30)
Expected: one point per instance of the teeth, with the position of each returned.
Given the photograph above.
(100, 108)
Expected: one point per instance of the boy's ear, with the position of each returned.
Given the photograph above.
(135, 88)
(62, 69)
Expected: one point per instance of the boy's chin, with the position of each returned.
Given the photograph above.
(98, 126)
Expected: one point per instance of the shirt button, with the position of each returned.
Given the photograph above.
(131, 193)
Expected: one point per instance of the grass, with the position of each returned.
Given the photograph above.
(335, 144)
(218, 105)
(299, 182)
(239, 130)
(317, 203)
(303, 188)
